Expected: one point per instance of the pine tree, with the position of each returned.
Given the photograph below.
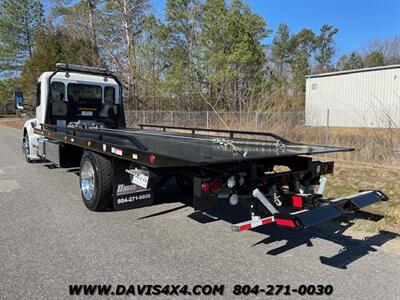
(305, 45)
(152, 54)
(19, 20)
(325, 46)
(53, 45)
(374, 59)
(234, 53)
(281, 49)
(351, 62)
(183, 21)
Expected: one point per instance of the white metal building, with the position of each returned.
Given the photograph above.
(367, 97)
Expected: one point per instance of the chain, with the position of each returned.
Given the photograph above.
(276, 199)
(231, 143)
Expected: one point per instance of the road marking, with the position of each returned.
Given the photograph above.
(8, 185)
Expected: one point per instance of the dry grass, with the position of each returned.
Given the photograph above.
(349, 177)
(17, 123)
(376, 145)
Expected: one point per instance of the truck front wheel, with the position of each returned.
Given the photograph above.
(96, 181)
(25, 148)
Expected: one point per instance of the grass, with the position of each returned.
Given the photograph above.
(349, 177)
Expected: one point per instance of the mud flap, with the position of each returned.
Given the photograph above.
(131, 186)
(330, 210)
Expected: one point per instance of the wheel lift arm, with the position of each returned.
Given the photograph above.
(310, 217)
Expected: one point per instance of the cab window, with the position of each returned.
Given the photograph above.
(57, 91)
(84, 93)
(38, 94)
(109, 95)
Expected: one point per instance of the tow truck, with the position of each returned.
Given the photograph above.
(80, 122)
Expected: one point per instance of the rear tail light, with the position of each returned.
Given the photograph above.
(152, 159)
(205, 187)
(215, 185)
(211, 186)
(323, 167)
(330, 167)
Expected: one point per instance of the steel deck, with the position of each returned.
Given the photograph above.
(192, 149)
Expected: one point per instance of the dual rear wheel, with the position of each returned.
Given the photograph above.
(96, 181)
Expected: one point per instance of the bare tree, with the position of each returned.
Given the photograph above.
(389, 47)
(123, 22)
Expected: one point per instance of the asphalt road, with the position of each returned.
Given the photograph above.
(49, 240)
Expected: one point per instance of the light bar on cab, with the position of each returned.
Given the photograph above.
(80, 68)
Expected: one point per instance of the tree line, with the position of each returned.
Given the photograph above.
(201, 55)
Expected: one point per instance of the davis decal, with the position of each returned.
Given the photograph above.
(123, 189)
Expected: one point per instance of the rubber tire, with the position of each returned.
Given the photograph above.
(28, 160)
(102, 196)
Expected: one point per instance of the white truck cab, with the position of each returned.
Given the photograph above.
(73, 97)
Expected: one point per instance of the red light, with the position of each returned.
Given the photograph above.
(297, 201)
(152, 159)
(205, 187)
(215, 185)
(285, 223)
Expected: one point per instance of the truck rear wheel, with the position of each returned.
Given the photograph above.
(96, 181)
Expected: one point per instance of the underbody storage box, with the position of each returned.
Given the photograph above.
(61, 154)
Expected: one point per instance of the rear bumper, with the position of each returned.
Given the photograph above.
(329, 210)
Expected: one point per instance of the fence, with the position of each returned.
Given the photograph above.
(377, 145)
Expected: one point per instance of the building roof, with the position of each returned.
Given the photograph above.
(353, 71)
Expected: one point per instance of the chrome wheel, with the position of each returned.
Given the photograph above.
(87, 180)
(25, 145)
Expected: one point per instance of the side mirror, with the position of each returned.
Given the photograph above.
(19, 100)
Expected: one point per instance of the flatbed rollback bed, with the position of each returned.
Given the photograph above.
(121, 168)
